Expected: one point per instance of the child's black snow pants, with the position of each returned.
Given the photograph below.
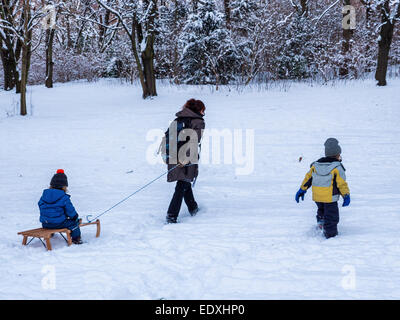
(183, 190)
(328, 213)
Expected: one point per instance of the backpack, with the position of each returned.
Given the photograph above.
(181, 123)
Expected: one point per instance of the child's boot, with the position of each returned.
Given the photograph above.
(330, 235)
(77, 240)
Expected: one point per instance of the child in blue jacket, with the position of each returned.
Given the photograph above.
(56, 209)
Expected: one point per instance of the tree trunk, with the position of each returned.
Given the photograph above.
(347, 35)
(26, 56)
(49, 57)
(304, 7)
(148, 71)
(147, 74)
(24, 78)
(103, 27)
(347, 31)
(384, 43)
(9, 82)
(227, 9)
(176, 49)
(368, 14)
(368, 11)
(135, 30)
(69, 37)
(10, 49)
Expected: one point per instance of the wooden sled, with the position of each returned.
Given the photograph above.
(46, 234)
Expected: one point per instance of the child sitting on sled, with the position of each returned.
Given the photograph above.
(56, 209)
(328, 181)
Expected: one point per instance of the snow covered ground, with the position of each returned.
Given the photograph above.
(250, 241)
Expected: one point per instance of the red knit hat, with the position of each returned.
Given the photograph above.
(59, 180)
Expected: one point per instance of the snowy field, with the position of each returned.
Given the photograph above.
(251, 240)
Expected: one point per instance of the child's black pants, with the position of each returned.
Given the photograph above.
(329, 214)
(183, 190)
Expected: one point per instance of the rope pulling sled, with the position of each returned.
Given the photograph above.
(89, 220)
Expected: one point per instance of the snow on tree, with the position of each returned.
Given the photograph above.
(295, 56)
(170, 23)
(208, 54)
(248, 21)
(199, 41)
(390, 13)
(138, 21)
(18, 19)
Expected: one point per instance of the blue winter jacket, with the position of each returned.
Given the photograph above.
(56, 207)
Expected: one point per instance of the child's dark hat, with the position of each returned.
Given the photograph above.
(59, 180)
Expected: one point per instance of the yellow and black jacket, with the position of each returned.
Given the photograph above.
(328, 180)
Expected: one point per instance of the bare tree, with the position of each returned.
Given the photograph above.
(104, 23)
(385, 37)
(10, 44)
(348, 31)
(51, 11)
(21, 21)
(26, 52)
(347, 28)
(368, 9)
(141, 32)
(227, 9)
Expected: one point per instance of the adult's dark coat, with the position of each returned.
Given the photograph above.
(188, 173)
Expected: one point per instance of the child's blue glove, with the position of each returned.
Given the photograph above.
(346, 200)
(300, 194)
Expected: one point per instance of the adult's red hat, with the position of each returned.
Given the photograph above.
(60, 171)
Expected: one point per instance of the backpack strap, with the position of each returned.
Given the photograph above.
(186, 120)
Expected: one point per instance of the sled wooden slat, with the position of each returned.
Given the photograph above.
(46, 234)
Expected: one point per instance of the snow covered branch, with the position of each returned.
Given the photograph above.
(326, 11)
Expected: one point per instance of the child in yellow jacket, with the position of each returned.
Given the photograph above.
(328, 181)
